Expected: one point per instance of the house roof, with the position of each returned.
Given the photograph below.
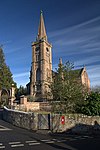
(76, 72)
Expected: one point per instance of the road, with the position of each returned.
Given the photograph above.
(14, 138)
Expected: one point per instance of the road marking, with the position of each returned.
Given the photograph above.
(14, 142)
(81, 138)
(3, 128)
(58, 141)
(34, 144)
(30, 141)
(70, 139)
(61, 141)
(19, 145)
(86, 136)
(50, 142)
(77, 137)
(45, 140)
(73, 139)
(2, 147)
(55, 139)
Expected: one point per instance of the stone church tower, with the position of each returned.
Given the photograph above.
(41, 69)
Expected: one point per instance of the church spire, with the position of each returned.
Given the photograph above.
(60, 61)
(41, 29)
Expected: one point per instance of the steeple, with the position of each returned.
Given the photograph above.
(41, 29)
(41, 70)
(60, 61)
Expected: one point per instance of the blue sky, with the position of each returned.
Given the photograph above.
(73, 28)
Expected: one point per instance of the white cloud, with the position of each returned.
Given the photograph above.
(21, 78)
(79, 39)
(75, 27)
(6, 42)
(21, 75)
(82, 44)
(14, 49)
(94, 68)
(88, 60)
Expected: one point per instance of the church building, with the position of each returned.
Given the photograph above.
(41, 68)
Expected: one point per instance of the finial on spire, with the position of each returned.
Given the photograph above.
(60, 61)
(41, 29)
(84, 65)
(41, 12)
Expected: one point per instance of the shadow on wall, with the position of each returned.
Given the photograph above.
(1, 113)
(83, 129)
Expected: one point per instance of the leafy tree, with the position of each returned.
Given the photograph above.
(96, 89)
(20, 91)
(91, 105)
(6, 79)
(67, 89)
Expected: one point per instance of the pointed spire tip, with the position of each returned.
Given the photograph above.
(60, 60)
(41, 12)
(41, 29)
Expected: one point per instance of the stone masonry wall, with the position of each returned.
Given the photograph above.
(21, 119)
(33, 106)
(75, 123)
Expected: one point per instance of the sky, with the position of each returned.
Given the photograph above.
(72, 26)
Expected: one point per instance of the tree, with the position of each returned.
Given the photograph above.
(66, 88)
(6, 79)
(91, 105)
(96, 89)
(20, 91)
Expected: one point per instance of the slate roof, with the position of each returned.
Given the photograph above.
(77, 72)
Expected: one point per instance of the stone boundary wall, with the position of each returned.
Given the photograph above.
(45, 106)
(21, 119)
(33, 106)
(74, 123)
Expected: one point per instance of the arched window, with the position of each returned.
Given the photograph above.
(38, 77)
(47, 49)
